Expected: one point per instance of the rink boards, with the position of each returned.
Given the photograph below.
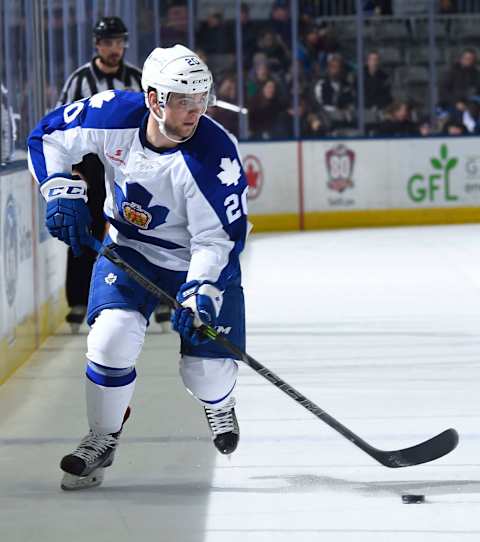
(32, 270)
(349, 183)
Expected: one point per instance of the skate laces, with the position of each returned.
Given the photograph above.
(222, 420)
(94, 445)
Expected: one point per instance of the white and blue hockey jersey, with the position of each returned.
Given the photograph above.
(183, 209)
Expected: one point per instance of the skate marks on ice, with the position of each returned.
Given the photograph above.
(458, 491)
(160, 488)
(172, 492)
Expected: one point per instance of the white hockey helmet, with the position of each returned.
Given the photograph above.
(176, 69)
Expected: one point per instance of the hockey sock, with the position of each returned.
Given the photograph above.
(108, 393)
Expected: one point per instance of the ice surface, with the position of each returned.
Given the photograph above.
(379, 327)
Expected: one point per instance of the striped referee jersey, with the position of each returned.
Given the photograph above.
(88, 80)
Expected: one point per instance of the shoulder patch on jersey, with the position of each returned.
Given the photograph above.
(97, 99)
(115, 109)
(230, 173)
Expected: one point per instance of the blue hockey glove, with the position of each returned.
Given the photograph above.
(200, 304)
(68, 217)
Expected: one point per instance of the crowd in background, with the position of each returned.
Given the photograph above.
(328, 79)
(397, 82)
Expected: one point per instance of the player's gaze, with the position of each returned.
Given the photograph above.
(183, 102)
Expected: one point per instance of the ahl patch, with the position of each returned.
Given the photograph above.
(136, 214)
(111, 278)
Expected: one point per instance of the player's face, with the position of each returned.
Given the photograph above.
(182, 113)
(111, 50)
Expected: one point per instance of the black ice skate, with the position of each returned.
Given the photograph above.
(224, 427)
(76, 316)
(84, 468)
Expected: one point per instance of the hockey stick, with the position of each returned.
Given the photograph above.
(426, 451)
(231, 107)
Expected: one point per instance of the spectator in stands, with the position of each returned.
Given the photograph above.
(425, 127)
(316, 44)
(260, 74)
(334, 94)
(315, 126)
(227, 91)
(280, 21)
(454, 128)
(377, 83)
(309, 50)
(175, 28)
(249, 35)
(447, 7)
(274, 48)
(214, 37)
(470, 116)
(306, 16)
(329, 43)
(461, 81)
(266, 119)
(398, 121)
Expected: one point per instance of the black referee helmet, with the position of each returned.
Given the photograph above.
(110, 27)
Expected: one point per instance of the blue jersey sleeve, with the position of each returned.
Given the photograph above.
(217, 205)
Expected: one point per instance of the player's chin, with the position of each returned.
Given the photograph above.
(188, 129)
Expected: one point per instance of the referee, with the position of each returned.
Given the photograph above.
(107, 70)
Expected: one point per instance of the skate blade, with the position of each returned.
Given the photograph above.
(70, 482)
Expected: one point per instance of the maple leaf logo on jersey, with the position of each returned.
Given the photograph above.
(231, 171)
(97, 99)
(135, 208)
(111, 278)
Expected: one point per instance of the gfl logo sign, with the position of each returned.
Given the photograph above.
(435, 185)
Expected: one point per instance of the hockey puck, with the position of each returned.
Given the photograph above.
(413, 499)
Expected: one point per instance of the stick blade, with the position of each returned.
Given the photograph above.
(431, 449)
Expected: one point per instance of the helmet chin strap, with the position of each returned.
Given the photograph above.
(163, 131)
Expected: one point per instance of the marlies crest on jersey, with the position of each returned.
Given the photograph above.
(231, 171)
(134, 207)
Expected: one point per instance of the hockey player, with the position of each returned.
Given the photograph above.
(106, 70)
(176, 204)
